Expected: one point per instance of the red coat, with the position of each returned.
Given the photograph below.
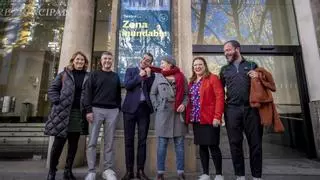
(211, 100)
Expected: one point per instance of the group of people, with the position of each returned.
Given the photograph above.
(80, 98)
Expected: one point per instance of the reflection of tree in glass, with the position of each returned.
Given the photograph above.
(33, 30)
(215, 63)
(214, 67)
(248, 21)
(44, 27)
(202, 25)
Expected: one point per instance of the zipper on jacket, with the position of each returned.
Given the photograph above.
(237, 67)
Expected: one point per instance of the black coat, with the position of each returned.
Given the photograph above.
(61, 94)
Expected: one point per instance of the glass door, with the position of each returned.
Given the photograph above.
(291, 97)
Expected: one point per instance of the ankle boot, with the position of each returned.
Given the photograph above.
(51, 175)
(68, 175)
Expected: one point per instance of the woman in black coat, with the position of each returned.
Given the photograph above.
(65, 120)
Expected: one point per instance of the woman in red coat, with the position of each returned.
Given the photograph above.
(204, 111)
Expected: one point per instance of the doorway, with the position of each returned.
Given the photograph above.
(291, 98)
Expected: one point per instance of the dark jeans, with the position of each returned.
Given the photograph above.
(245, 119)
(57, 147)
(142, 118)
(216, 157)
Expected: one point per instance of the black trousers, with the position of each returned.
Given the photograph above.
(216, 157)
(142, 119)
(245, 119)
(57, 147)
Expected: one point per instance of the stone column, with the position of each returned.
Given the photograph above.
(315, 6)
(183, 52)
(311, 59)
(183, 35)
(78, 30)
(77, 36)
(114, 26)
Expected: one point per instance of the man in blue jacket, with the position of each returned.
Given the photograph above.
(136, 109)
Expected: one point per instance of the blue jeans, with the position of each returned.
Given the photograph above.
(162, 153)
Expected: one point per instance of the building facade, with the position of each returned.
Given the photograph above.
(38, 38)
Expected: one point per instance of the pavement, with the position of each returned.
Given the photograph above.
(273, 169)
(279, 163)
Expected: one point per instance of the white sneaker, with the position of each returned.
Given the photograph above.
(241, 178)
(219, 177)
(91, 176)
(204, 177)
(109, 174)
(257, 178)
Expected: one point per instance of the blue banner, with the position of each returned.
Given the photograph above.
(145, 26)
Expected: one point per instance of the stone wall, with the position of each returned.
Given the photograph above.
(315, 104)
(315, 117)
(315, 6)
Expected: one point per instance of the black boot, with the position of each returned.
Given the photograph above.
(128, 176)
(68, 175)
(51, 175)
(141, 175)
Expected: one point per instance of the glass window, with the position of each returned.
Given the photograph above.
(102, 33)
(284, 74)
(251, 22)
(30, 33)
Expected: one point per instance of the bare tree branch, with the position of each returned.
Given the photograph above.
(262, 22)
(206, 26)
(202, 21)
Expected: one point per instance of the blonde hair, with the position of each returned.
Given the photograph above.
(86, 61)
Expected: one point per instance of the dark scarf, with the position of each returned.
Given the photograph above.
(179, 77)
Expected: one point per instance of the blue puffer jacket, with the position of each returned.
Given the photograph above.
(61, 94)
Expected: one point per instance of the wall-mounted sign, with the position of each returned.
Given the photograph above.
(9, 12)
(145, 26)
(40, 8)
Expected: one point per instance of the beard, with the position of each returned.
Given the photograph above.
(234, 56)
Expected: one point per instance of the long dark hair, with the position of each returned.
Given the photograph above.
(206, 69)
(86, 61)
